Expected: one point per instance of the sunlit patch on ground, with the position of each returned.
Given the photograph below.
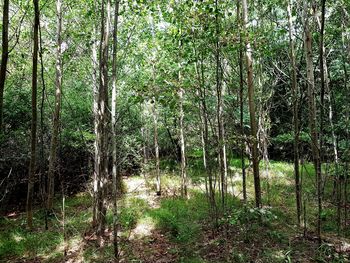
(144, 228)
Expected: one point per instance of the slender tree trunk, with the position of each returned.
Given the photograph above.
(56, 115)
(144, 135)
(221, 135)
(346, 87)
(328, 95)
(206, 152)
(205, 142)
(102, 127)
(249, 65)
(113, 128)
(32, 165)
(42, 179)
(312, 112)
(95, 112)
(182, 143)
(4, 57)
(201, 108)
(156, 146)
(241, 100)
(155, 116)
(323, 77)
(295, 94)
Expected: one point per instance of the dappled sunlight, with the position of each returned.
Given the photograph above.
(144, 228)
(18, 238)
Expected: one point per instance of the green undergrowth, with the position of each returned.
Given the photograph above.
(182, 217)
(242, 233)
(16, 241)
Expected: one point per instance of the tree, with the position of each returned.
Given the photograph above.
(219, 109)
(182, 144)
(312, 111)
(102, 121)
(250, 81)
(4, 56)
(295, 95)
(56, 114)
(32, 166)
(113, 129)
(241, 101)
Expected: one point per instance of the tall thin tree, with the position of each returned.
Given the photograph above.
(312, 110)
(32, 165)
(294, 86)
(113, 129)
(250, 81)
(4, 56)
(56, 114)
(241, 102)
(102, 122)
(219, 109)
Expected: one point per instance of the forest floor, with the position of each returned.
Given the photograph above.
(172, 229)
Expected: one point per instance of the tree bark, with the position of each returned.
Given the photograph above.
(56, 115)
(4, 57)
(182, 143)
(94, 75)
(312, 112)
(156, 146)
(102, 125)
(219, 113)
(241, 98)
(113, 128)
(295, 94)
(32, 165)
(249, 65)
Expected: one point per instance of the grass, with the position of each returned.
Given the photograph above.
(17, 241)
(183, 229)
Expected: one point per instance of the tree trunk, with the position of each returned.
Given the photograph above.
(113, 128)
(56, 115)
(205, 139)
(4, 57)
(182, 143)
(31, 177)
(295, 94)
(347, 118)
(95, 112)
(327, 93)
(241, 98)
(219, 113)
(102, 126)
(249, 65)
(312, 112)
(156, 146)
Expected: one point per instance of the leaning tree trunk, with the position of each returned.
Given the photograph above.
(56, 115)
(4, 57)
(113, 128)
(312, 112)
(294, 85)
(31, 177)
(249, 65)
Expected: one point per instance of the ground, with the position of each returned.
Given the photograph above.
(169, 228)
